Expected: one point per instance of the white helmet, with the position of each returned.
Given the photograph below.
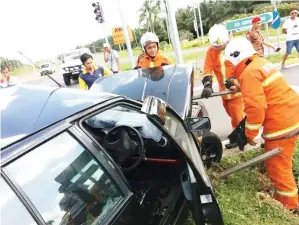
(218, 35)
(147, 38)
(238, 49)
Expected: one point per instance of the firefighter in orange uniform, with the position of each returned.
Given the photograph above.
(214, 62)
(271, 103)
(153, 57)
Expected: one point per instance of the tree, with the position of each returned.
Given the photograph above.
(149, 13)
(184, 18)
(12, 63)
(185, 35)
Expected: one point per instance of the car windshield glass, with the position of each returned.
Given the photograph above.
(72, 54)
(45, 66)
(123, 115)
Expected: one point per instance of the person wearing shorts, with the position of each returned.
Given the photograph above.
(291, 29)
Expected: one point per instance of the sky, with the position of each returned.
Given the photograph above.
(46, 28)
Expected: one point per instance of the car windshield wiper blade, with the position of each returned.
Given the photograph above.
(40, 68)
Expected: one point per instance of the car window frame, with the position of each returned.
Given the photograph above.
(188, 157)
(23, 198)
(86, 142)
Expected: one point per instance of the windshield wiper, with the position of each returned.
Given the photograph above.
(40, 68)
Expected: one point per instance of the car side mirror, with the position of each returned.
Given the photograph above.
(155, 107)
(198, 124)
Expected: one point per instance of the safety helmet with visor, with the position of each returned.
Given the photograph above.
(218, 35)
(238, 49)
(147, 38)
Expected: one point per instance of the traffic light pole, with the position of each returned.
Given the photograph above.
(105, 32)
(126, 34)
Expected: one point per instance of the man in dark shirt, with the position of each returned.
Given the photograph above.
(90, 72)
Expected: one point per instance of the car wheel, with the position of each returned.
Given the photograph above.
(212, 149)
(67, 79)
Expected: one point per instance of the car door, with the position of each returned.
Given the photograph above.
(196, 185)
(65, 180)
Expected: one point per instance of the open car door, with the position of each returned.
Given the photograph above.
(195, 182)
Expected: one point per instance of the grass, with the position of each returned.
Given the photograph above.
(189, 57)
(276, 58)
(19, 71)
(246, 197)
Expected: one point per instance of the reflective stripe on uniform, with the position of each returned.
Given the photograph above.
(273, 77)
(223, 72)
(251, 126)
(280, 132)
(287, 193)
(236, 82)
(152, 64)
(238, 94)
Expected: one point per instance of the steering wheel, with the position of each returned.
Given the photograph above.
(122, 144)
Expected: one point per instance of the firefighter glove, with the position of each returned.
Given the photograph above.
(207, 82)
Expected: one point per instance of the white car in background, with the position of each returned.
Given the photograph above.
(47, 68)
(72, 65)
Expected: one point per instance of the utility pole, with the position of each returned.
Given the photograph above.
(195, 25)
(167, 24)
(126, 34)
(277, 30)
(174, 29)
(133, 31)
(200, 21)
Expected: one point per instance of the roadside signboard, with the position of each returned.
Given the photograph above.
(245, 23)
(276, 20)
(119, 37)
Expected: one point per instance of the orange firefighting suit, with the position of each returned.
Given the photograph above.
(148, 62)
(271, 103)
(233, 104)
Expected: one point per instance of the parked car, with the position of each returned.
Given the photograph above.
(173, 84)
(47, 68)
(73, 157)
(72, 65)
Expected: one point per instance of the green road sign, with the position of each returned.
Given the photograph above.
(244, 23)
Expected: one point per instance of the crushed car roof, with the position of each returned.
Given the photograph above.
(27, 108)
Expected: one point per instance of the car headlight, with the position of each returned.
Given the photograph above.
(66, 68)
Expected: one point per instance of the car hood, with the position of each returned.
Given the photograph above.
(20, 117)
(74, 62)
(170, 83)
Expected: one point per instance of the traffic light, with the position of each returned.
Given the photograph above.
(98, 10)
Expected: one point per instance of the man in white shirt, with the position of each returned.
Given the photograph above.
(112, 57)
(291, 29)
